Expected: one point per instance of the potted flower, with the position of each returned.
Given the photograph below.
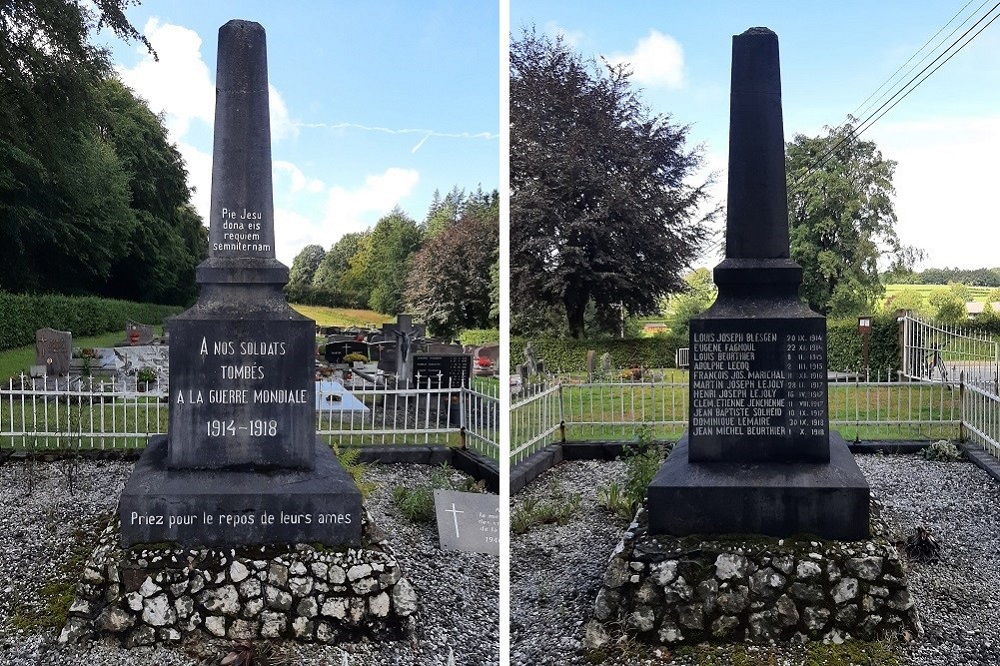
(144, 378)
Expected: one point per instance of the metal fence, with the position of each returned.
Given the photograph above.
(939, 352)
(861, 407)
(47, 414)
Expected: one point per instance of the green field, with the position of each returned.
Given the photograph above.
(925, 290)
(325, 316)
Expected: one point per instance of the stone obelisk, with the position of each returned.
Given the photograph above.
(758, 456)
(241, 463)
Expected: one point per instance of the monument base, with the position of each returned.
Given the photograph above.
(145, 596)
(828, 500)
(220, 508)
(668, 590)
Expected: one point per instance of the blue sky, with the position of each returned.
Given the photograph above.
(372, 104)
(944, 136)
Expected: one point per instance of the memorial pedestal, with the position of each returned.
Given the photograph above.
(222, 508)
(828, 500)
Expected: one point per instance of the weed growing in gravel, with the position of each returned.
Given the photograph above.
(348, 459)
(642, 460)
(417, 503)
(52, 601)
(942, 451)
(534, 512)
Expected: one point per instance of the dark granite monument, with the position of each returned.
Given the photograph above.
(758, 456)
(241, 463)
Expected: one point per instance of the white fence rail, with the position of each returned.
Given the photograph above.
(46, 414)
(861, 407)
(939, 352)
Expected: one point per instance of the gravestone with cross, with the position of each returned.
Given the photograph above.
(54, 350)
(398, 358)
(241, 463)
(758, 455)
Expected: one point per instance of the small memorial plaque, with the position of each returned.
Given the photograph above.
(468, 522)
(442, 370)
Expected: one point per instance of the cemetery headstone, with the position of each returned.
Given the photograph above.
(441, 370)
(606, 363)
(336, 351)
(468, 522)
(758, 456)
(54, 350)
(490, 352)
(591, 357)
(139, 334)
(241, 463)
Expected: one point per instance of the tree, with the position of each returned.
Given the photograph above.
(601, 207)
(949, 306)
(907, 299)
(393, 240)
(333, 276)
(93, 197)
(305, 264)
(680, 308)
(841, 219)
(168, 240)
(451, 281)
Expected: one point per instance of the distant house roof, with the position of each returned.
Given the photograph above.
(975, 308)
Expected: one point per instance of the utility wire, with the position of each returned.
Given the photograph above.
(871, 119)
(995, 17)
(862, 108)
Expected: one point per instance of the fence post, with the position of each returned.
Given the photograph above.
(961, 407)
(562, 415)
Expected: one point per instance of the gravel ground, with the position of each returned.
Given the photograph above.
(42, 526)
(556, 570)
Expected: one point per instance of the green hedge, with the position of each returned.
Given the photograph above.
(844, 351)
(23, 314)
(567, 355)
(477, 337)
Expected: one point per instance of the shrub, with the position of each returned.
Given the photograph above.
(534, 512)
(942, 451)
(642, 461)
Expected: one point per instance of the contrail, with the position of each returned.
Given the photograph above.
(389, 130)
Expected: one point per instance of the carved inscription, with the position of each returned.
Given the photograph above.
(241, 232)
(237, 362)
(738, 388)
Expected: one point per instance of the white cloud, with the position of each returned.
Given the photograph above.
(299, 181)
(282, 126)
(944, 183)
(292, 232)
(572, 38)
(179, 85)
(356, 210)
(657, 61)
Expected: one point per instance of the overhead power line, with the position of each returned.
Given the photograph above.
(909, 87)
(862, 108)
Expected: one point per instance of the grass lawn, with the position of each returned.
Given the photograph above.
(615, 410)
(325, 316)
